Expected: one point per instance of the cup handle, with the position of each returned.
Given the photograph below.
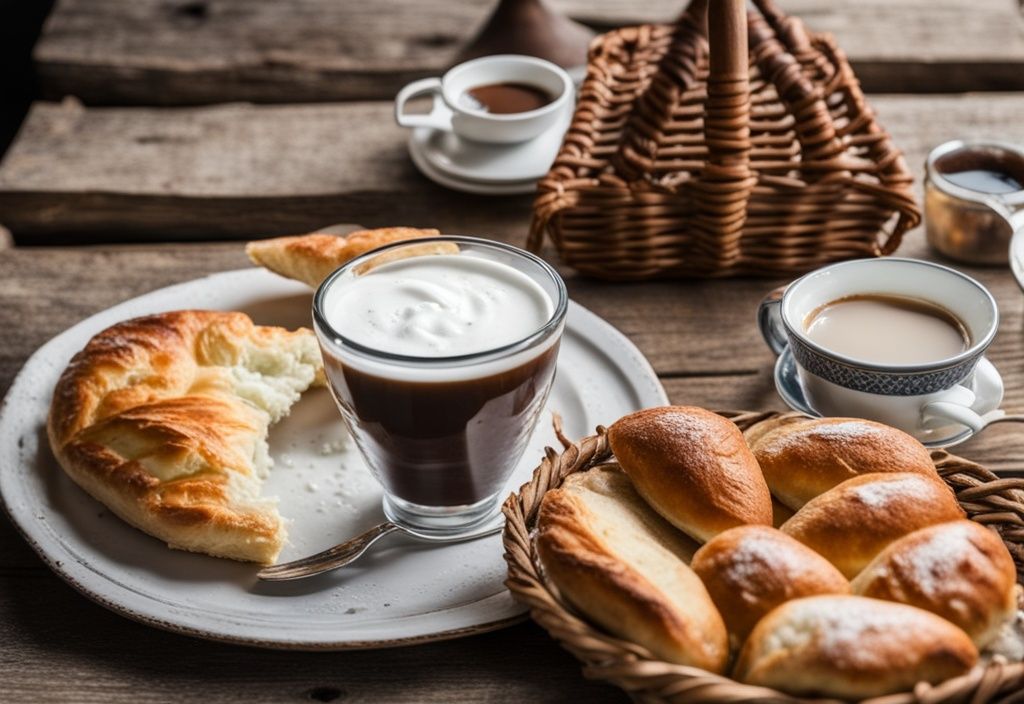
(973, 409)
(435, 119)
(769, 320)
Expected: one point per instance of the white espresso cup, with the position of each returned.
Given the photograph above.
(452, 113)
(937, 402)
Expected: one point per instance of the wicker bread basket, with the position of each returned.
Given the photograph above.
(721, 153)
(998, 503)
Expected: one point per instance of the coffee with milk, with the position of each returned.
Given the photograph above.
(886, 329)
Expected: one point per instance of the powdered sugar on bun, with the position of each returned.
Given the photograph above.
(750, 570)
(850, 524)
(961, 571)
(804, 459)
(851, 647)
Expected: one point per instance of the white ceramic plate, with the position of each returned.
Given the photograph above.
(402, 592)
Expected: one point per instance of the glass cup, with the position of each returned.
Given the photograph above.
(441, 434)
(966, 225)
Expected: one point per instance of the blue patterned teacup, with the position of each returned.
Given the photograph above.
(934, 401)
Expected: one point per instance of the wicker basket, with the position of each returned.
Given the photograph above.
(998, 503)
(685, 158)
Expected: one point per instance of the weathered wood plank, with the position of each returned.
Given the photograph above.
(160, 52)
(57, 646)
(224, 172)
(243, 171)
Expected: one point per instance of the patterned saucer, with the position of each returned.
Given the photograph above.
(787, 384)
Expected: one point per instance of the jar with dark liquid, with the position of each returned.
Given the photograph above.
(974, 193)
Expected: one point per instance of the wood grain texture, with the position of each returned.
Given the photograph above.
(57, 646)
(79, 174)
(227, 171)
(181, 52)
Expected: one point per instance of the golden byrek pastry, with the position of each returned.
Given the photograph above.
(851, 647)
(164, 420)
(624, 566)
(310, 258)
(749, 570)
(803, 459)
(853, 522)
(693, 467)
(961, 571)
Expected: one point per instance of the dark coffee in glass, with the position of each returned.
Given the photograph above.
(441, 356)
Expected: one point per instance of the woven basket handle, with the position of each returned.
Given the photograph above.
(728, 107)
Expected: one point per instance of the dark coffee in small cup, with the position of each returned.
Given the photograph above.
(506, 98)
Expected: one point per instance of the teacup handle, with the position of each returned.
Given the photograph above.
(438, 119)
(769, 320)
(973, 409)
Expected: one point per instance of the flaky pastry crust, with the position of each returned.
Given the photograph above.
(164, 420)
(310, 258)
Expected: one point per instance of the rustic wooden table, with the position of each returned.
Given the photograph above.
(107, 166)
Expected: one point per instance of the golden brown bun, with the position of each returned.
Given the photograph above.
(624, 567)
(749, 570)
(804, 459)
(851, 647)
(853, 522)
(961, 571)
(164, 419)
(693, 467)
(310, 258)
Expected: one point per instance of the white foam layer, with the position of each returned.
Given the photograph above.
(438, 306)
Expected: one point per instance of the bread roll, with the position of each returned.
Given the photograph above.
(749, 570)
(961, 571)
(851, 647)
(804, 459)
(853, 522)
(623, 566)
(694, 467)
(164, 420)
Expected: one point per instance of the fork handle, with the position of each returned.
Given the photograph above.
(329, 559)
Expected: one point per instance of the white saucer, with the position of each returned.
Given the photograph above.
(466, 186)
(490, 169)
(403, 592)
(787, 383)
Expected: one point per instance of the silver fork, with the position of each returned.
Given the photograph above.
(351, 550)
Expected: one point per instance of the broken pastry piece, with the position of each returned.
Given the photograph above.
(164, 420)
(310, 258)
